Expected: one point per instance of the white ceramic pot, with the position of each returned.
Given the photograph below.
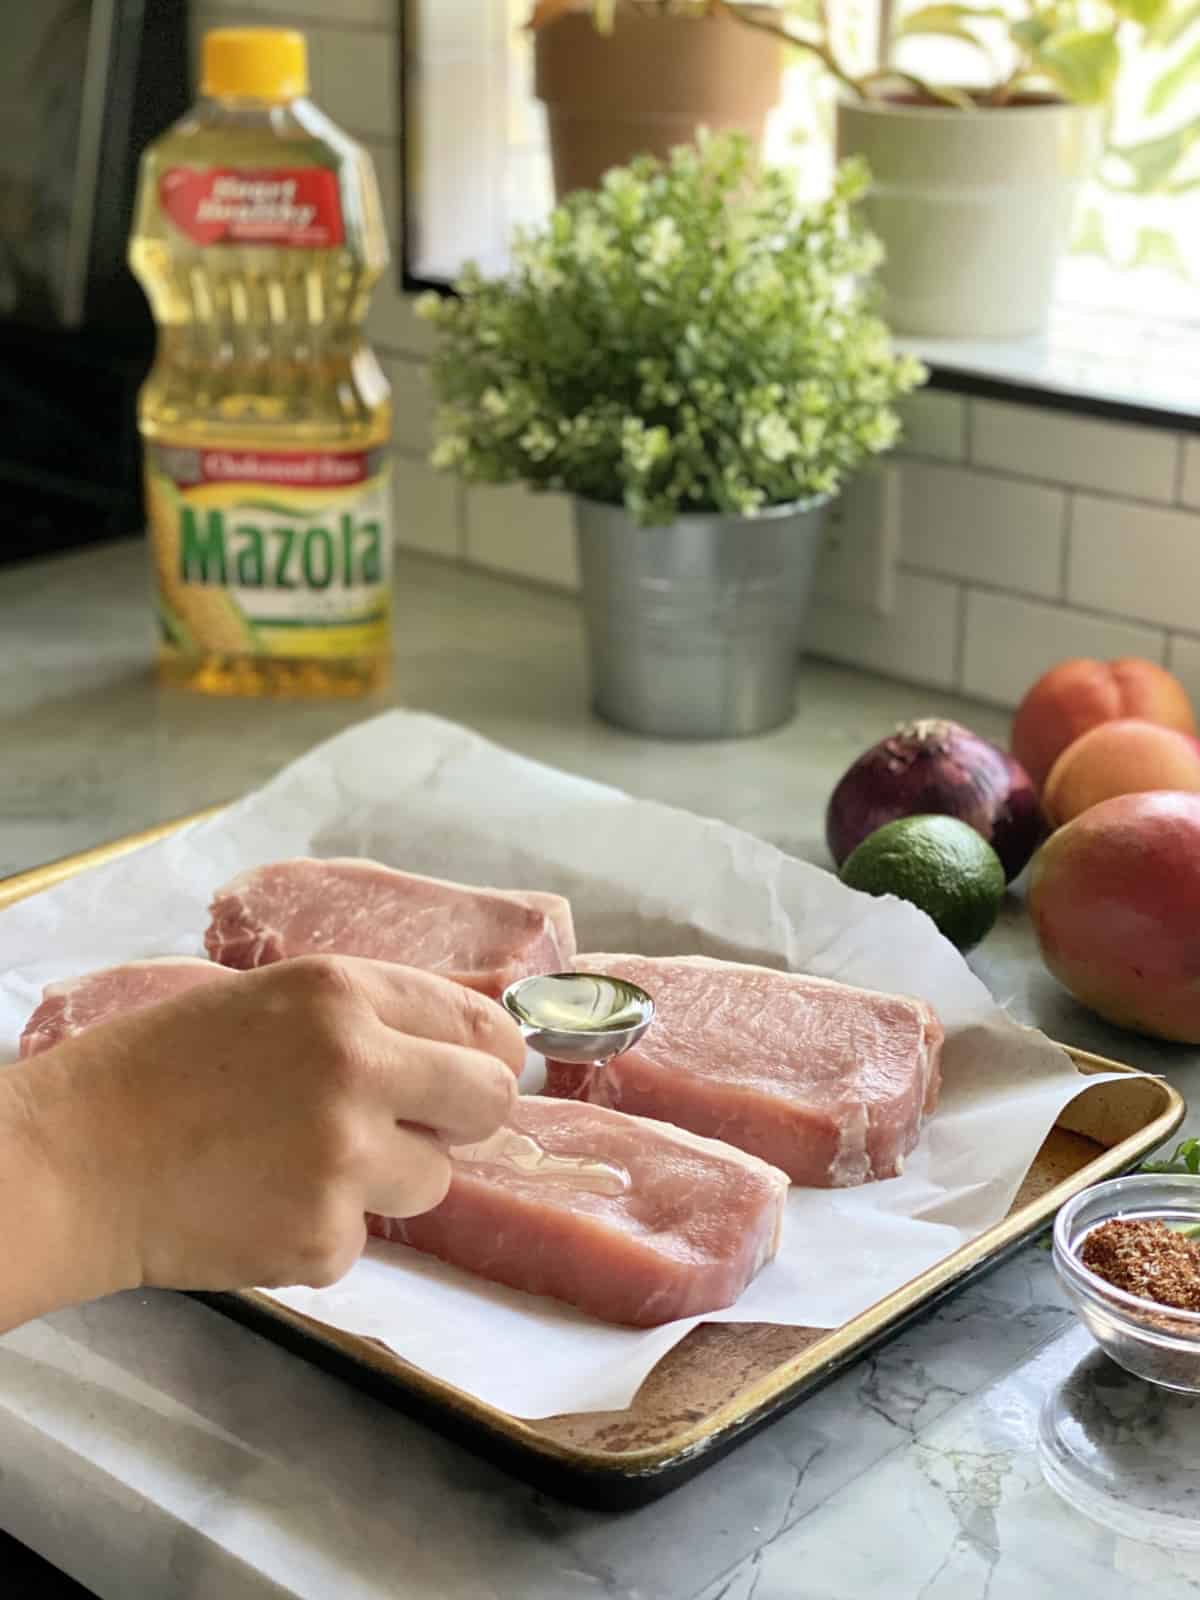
(974, 209)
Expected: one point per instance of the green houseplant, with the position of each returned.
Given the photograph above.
(1071, 49)
(976, 186)
(691, 353)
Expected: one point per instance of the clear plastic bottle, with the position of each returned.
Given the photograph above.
(265, 418)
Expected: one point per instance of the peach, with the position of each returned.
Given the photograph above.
(1076, 695)
(1115, 898)
(1122, 757)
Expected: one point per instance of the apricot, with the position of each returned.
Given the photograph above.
(1115, 902)
(1076, 695)
(1122, 757)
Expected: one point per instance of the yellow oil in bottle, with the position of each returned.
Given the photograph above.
(265, 419)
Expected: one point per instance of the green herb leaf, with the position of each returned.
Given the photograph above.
(1186, 1160)
(1152, 163)
(949, 20)
(1145, 12)
(1185, 71)
(1155, 247)
(1083, 63)
(1029, 32)
(1174, 23)
(1089, 238)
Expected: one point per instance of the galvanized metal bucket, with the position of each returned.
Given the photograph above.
(694, 628)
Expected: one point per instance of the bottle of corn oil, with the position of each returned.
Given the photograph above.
(265, 418)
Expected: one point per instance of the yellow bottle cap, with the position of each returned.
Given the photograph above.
(258, 63)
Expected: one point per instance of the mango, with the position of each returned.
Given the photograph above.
(1079, 694)
(1115, 901)
(1122, 757)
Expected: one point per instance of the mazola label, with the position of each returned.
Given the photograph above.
(271, 553)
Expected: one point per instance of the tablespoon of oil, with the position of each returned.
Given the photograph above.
(583, 1018)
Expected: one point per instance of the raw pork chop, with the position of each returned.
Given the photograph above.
(828, 1082)
(484, 938)
(695, 1223)
(79, 1003)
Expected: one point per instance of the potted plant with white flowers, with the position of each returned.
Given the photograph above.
(691, 352)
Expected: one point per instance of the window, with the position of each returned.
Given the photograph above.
(479, 162)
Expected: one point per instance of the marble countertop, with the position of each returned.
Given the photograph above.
(148, 1446)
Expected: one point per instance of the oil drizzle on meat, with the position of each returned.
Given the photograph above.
(519, 1153)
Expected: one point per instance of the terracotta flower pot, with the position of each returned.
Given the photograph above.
(648, 86)
(973, 207)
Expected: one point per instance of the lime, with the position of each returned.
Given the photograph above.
(939, 863)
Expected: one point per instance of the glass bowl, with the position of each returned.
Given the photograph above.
(1154, 1341)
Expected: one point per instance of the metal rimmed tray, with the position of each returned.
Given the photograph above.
(725, 1380)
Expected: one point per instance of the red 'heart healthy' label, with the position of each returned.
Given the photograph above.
(293, 207)
(271, 553)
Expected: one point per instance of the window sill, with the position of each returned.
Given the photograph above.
(1092, 361)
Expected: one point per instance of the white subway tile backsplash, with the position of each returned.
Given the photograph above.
(527, 535)
(359, 13)
(1135, 561)
(973, 525)
(226, 13)
(1191, 473)
(385, 158)
(856, 567)
(358, 79)
(199, 22)
(1010, 642)
(1183, 658)
(412, 404)
(917, 642)
(426, 508)
(935, 424)
(1116, 457)
(392, 324)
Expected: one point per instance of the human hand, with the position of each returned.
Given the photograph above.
(237, 1134)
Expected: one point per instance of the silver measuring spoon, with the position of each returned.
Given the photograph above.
(582, 1018)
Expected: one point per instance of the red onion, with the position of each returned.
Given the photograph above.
(935, 766)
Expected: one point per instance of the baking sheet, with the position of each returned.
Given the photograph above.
(431, 796)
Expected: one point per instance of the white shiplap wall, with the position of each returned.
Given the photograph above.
(1025, 534)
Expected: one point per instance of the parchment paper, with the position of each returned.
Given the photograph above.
(425, 794)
